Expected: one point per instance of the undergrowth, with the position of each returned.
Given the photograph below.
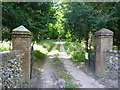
(38, 55)
(70, 84)
(58, 47)
(76, 51)
(5, 46)
(64, 75)
(56, 59)
(56, 54)
(42, 48)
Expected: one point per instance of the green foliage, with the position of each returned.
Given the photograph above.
(56, 55)
(5, 34)
(76, 50)
(79, 20)
(48, 47)
(47, 44)
(56, 59)
(115, 48)
(58, 47)
(36, 69)
(64, 75)
(42, 48)
(56, 29)
(5, 46)
(38, 55)
(69, 20)
(70, 84)
(35, 16)
(82, 18)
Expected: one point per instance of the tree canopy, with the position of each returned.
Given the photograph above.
(34, 16)
(74, 21)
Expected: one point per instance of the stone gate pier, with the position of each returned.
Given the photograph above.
(21, 40)
(103, 41)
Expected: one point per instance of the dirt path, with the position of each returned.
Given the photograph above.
(81, 78)
(50, 73)
(47, 79)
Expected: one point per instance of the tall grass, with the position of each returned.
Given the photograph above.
(5, 46)
(76, 50)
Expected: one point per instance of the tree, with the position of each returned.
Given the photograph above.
(85, 18)
(34, 16)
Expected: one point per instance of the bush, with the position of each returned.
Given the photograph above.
(38, 55)
(115, 47)
(76, 50)
(5, 46)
